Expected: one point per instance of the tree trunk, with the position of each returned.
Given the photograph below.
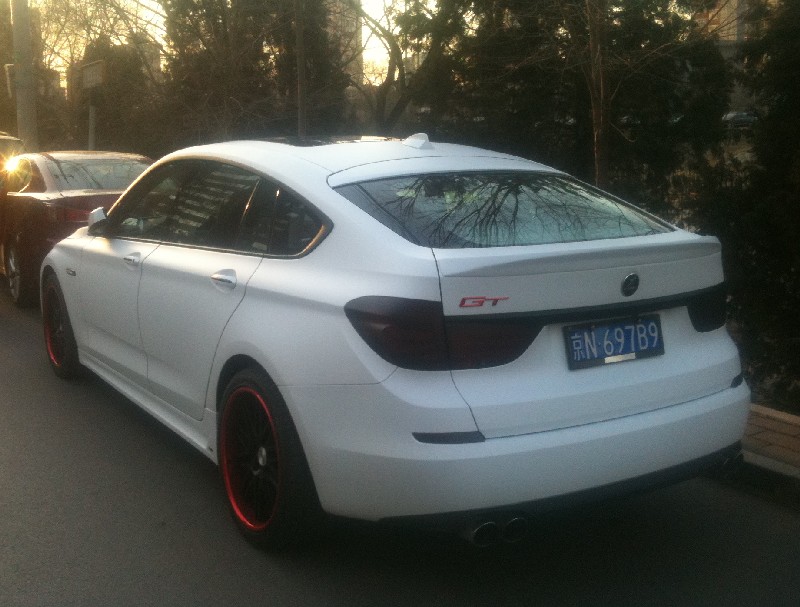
(596, 11)
(302, 98)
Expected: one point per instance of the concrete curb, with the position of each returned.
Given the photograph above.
(772, 441)
(773, 465)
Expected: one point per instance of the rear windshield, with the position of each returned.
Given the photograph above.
(95, 173)
(467, 210)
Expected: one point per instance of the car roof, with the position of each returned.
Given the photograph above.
(351, 160)
(86, 155)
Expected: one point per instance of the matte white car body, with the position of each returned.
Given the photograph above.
(153, 324)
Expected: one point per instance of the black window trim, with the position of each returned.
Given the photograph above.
(326, 225)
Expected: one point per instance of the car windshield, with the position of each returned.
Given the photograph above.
(95, 173)
(467, 210)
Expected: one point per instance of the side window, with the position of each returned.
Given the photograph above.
(278, 223)
(187, 202)
(144, 211)
(255, 230)
(209, 207)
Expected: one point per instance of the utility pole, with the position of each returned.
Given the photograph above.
(25, 82)
(93, 76)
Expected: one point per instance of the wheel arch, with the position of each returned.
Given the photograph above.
(44, 273)
(47, 270)
(232, 366)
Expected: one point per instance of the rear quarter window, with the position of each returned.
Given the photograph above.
(470, 210)
(279, 223)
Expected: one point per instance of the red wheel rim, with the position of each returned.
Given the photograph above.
(250, 458)
(54, 326)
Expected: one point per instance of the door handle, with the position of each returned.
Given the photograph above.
(133, 259)
(225, 278)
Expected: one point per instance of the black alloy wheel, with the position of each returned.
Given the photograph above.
(19, 279)
(250, 458)
(264, 471)
(62, 350)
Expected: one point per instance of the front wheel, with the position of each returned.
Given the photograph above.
(62, 350)
(267, 480)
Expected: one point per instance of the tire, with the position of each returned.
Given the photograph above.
(21, 282)
(264, 471)
(62, 350)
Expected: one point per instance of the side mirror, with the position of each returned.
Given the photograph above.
(97, 221)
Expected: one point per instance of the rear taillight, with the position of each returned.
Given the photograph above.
(414, 334)
(490, 342)
(59, 214)
(707, 309)
(76, 215)
(408, 333)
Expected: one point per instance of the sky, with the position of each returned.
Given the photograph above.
(373, 50)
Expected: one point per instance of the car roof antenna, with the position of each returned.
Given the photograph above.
(419, 141)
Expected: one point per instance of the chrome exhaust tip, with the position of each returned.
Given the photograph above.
(483, 534)
(514, 530)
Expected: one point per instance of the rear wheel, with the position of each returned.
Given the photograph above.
(59, 339)
(20, 278)
(269, 487)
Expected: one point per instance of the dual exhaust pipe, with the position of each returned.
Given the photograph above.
(485, 533)
(511, 529)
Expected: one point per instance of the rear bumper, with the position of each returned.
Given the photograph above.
(459, 520)
(375, 475)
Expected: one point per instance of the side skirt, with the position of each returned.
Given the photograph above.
(200, 434)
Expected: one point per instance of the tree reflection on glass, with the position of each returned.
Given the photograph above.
(464, 210)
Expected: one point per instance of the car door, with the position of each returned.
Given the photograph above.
(111, 269)
(193, 282)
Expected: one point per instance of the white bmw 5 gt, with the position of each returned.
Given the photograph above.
(401, 330)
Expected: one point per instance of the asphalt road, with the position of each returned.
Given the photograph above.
(99, 505)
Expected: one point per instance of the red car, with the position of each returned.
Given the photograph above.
(46, 196)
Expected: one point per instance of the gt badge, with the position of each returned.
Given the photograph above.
(479, 302)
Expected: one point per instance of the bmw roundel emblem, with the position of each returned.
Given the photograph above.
(630, 284)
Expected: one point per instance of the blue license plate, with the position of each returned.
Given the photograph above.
(613, 341)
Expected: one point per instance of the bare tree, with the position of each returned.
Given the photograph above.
(582, 32)
(411, 52)
(69, 26)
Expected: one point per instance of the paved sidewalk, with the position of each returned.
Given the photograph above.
(772, 441)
